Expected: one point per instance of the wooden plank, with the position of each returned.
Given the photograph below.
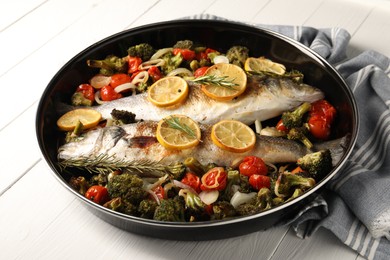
(233, 10)
(378, 39)
(344, 14)
(27, 210)
(38, 27)
(166, 10)
(41, 65)
(280, 12)
(12, 11)
(20, 152)
(314, 247)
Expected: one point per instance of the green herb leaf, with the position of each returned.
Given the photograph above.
(214, 80)
(108, 163)
(175, 123)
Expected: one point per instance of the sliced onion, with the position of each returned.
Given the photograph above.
(273, 167)
(141, 77)
(276, 188)
(181, 185)
(151, 63)
(271, 131)
(220, 59)
(98, 99)
(241, 198)
(125, 86)
(209, 196)
(160, 53)
(99, 81)
(155, 197)
(180, 71)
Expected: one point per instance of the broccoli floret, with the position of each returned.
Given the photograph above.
(185, 44)
(113, 204)
(237, 55)
(294, 118)
(122, 117)
(171, 62)
(244, 184)
(233, 178)
(146, 208)
(300, 134)
(110, 65)
(127, 186)
(223, 210)
(318, 164)
(79, 183)
(170, 210)
(99, 179)
(143, 51)
(261, 202)
(78, 99)
(195, 208)
(121, 205)
(296, 194)
(287, 183)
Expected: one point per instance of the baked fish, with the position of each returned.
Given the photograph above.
(137, 142)
(264, 98)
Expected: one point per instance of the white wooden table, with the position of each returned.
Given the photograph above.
(39, 219)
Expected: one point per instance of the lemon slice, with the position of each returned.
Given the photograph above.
(88, 117)
(233, 73)
(178, 132)
(263, 65)
(168, 91)
(233, 136)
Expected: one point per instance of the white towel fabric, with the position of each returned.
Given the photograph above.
(355, 204)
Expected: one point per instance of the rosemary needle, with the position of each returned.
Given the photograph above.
(174, 123)
(218, 81)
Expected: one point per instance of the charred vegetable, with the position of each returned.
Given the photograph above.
(142, 50)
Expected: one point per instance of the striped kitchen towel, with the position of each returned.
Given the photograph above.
(355, 205)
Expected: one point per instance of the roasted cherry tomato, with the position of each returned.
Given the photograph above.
(258, 181)
(253, 165)
(200, 72)
(107, 93)
(214, 179)
(187, 54)
(97, 194)
(87, 90)
(133, 63)
(281, 127)
(154, 73)
(119, 79)
(321, 117)
(204, 54)
(192, 180)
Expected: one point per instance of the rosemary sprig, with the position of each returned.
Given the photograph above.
(215, 80)
(174, 123)
(105, 164)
